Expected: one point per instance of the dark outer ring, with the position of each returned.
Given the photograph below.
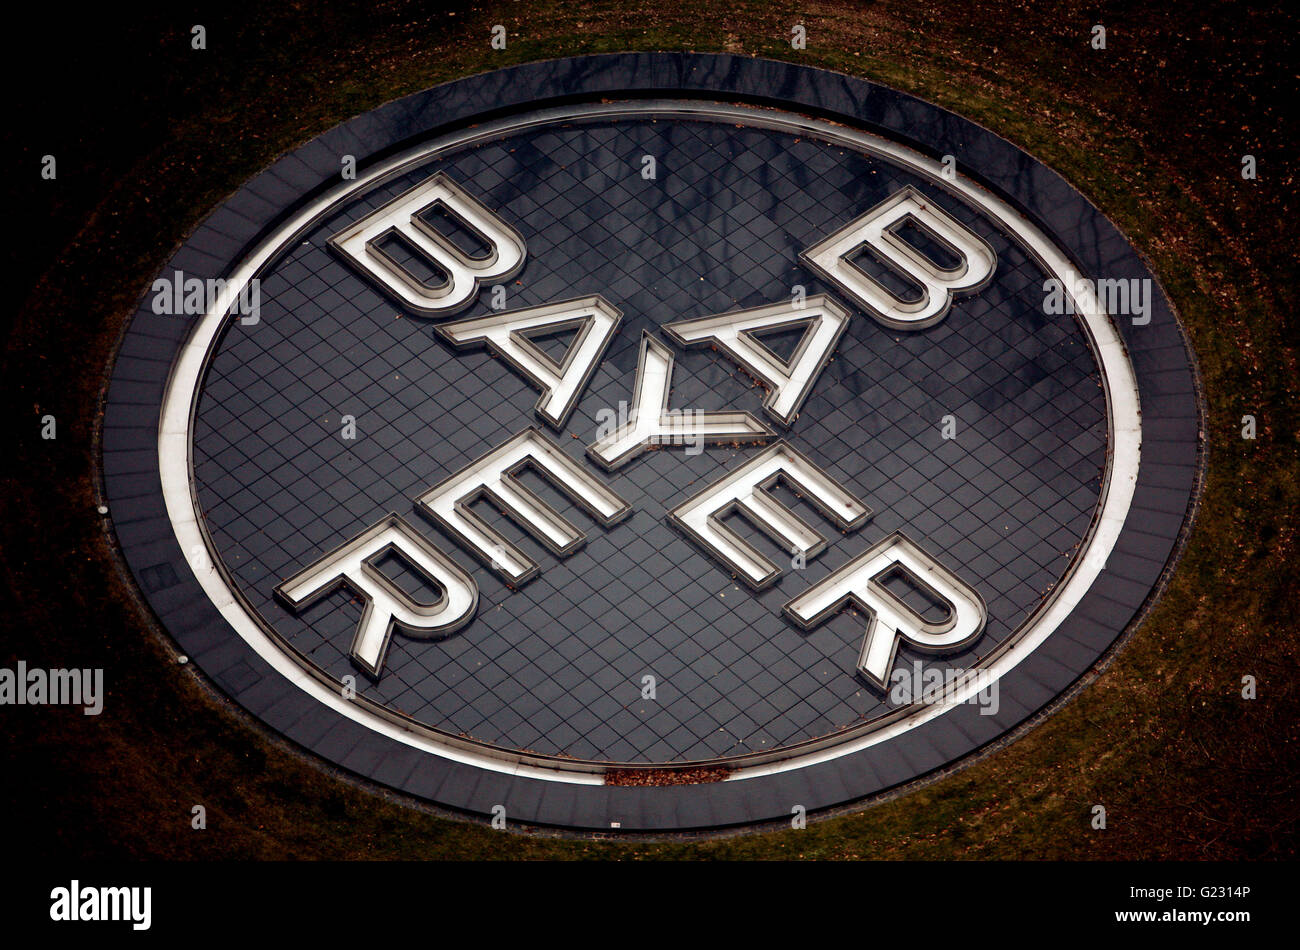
(1163, 502)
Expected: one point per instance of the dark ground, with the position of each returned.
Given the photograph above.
(150, 135)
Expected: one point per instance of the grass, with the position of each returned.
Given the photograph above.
(1151, 130)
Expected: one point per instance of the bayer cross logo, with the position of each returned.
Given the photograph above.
(593, 323)
(610, 427)
(778, 462)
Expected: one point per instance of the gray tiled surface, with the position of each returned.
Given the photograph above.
(1147, 545)
(556, 667)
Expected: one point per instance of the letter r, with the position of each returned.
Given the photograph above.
(387, 605)
(891, 621)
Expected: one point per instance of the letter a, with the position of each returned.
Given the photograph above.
(592, 322)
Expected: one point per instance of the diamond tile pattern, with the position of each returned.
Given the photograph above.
(557, 666)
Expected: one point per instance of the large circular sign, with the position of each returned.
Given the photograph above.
(651, 442)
